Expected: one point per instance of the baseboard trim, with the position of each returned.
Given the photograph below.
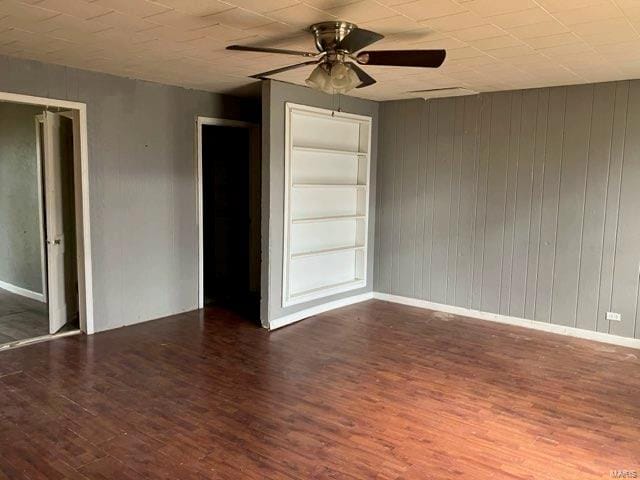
(22, 291)
(520, 322)
(325, 307)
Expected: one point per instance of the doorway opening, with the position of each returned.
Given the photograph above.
(44, 256)
(229, 179)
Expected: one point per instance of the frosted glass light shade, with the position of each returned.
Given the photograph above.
(337, 78)
(319, 79)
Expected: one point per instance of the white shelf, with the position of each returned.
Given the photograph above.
(326, 251)
(327, 150)
(328, 185)
(335, 218)
(336, 288)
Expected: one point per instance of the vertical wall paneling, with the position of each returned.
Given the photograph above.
(468, 173)
(550, 202)
(399, 122)
(614, 179)
(626, 261)
(431, 127)
(593, 229)
(412, 173)
(520, 203)
(481, 201)
(378, 233)
(523, 199)
(535, 226)
(508, 234)
(442, 197)
(409, 200)
(495, 201)
(421, 193)
(384, 198)
(390, 205)
(577, 135)
(454, 203)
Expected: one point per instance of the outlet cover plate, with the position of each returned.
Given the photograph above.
(616, 317)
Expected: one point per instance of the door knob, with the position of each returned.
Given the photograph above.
(54, 242)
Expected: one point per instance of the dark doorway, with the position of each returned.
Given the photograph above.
(230, 215)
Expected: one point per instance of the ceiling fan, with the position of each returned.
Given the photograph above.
(338, 57)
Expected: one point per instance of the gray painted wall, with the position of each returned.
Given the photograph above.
(274, 97)
(522, 203)
(142, 183)
(20, 243)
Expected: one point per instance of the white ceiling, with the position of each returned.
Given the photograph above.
(491, 44)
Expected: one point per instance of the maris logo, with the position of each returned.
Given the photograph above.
(624, 474)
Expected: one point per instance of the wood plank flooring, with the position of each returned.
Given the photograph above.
(21, 317)
(371, 391)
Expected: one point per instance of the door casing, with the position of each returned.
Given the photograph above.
(81, 178)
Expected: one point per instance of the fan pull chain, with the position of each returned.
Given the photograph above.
(336, 101)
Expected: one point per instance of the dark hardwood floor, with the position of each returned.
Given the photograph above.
(370, 391)
(21, 317)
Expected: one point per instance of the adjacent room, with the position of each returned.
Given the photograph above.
(38, 264)
(294, 239)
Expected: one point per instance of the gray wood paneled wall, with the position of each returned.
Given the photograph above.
(523, 203)
(142, 183)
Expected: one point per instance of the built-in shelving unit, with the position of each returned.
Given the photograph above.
(326, 203)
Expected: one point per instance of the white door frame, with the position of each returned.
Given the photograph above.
(43, 236)
(85, 273)
(200, 121)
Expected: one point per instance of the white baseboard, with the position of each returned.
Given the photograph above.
(22, 291)
(325, 307)
(520, 322)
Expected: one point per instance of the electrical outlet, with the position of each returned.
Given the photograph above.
(616, 317)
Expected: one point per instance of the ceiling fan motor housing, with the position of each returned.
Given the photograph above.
(328, 35)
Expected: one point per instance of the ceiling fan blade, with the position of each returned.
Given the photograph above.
(271, 50)
(283, 69)
(403, 58)
(364, 77)
(357, 39)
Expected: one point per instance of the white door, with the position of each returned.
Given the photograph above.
(54, 221)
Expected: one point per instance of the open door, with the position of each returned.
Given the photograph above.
(60, 221)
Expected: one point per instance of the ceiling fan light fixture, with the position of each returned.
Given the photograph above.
(343, 78)
(320, 79)
(337, 78)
